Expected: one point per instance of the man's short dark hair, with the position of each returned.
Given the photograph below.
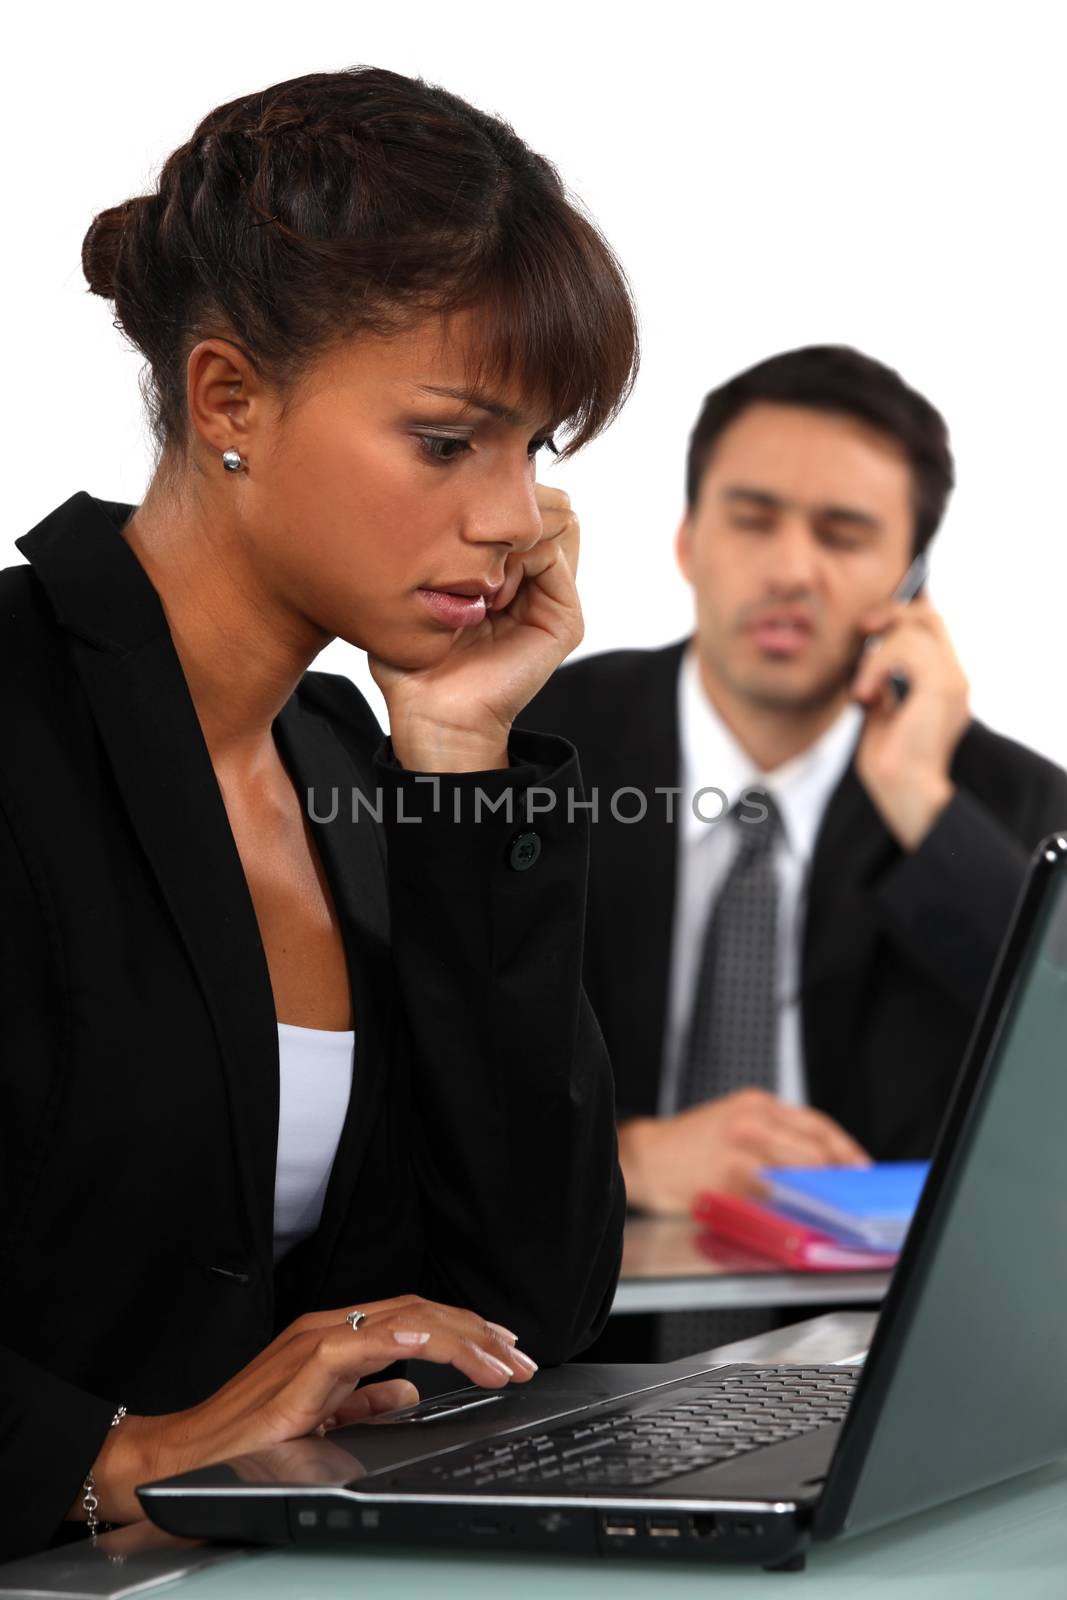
(837, 379)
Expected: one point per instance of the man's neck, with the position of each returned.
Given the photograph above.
(771, 735)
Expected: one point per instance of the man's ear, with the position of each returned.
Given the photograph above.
(683, 547)
(224, 394)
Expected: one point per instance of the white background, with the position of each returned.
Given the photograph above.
(890, 175)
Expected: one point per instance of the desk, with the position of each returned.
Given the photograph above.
(668, 1266)
(1006, 1541)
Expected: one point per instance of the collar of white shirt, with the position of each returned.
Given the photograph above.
(712, 759)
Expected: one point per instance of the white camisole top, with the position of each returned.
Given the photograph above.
(315, 1080)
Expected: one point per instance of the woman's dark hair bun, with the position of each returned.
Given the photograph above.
(104, 242)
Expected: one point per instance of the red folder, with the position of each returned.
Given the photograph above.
(793, 1244)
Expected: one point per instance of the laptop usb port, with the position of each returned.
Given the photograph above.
(659, 1528)
(620, 1530)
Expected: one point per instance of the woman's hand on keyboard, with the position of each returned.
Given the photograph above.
(306, 1379)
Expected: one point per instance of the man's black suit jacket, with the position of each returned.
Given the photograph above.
(138, 1040)
(897, 947)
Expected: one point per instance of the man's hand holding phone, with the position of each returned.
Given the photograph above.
(906, 748)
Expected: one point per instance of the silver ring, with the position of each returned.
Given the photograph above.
(354, 1319)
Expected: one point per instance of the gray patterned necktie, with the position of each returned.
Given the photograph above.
(732, 1038)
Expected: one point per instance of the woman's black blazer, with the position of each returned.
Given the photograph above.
(138, 1042)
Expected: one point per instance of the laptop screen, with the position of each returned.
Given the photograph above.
(964, 1384)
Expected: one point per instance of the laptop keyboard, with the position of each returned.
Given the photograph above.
(633, 1447)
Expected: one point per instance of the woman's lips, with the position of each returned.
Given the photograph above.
(454, 610)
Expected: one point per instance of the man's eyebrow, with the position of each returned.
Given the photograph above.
(864, 519)
(761, 497)
(479, 402)
(775, 502)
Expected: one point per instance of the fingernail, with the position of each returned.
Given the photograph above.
(403, 1337)
(523, 1361)
(505, 1333)
(491, 1361)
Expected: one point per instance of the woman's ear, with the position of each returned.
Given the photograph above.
(225, 396)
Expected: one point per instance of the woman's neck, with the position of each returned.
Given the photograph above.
(242, 649)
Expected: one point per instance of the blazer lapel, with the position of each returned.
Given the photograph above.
(840, 935)
(123, 653)
(635, 867)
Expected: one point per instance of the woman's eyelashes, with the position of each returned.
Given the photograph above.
(443, 448)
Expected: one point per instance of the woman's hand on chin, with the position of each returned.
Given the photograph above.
(456, 715)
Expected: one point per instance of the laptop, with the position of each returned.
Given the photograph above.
(963, 1385)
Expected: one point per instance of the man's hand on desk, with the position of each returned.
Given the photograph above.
(723, 1145)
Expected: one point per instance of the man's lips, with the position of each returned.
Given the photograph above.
(781, 633)
(460, 604)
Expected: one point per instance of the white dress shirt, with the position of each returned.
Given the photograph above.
(712, 759)
(314, 1083)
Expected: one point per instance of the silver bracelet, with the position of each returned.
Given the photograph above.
(90, 1503)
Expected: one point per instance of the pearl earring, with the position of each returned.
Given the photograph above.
(231, 460)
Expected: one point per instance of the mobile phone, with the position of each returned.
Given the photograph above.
(906, 590)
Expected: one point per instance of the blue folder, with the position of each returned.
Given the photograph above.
(869, 1205)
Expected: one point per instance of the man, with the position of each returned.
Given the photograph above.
(806, 999)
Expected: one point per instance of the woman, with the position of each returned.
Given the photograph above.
(292, 1016)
